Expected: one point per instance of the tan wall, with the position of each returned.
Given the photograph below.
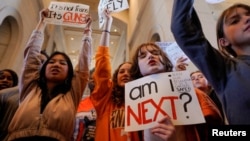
(22, 28)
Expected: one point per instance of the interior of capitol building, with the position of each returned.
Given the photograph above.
(142, 21)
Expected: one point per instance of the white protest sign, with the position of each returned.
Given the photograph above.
(149, 99)
(214, 1)
(173, 51)
(112, 6)
(66, 13)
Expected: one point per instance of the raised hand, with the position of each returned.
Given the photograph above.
(43, 14)
(108, 20)
(180, 64)
(41, 24)
(88, 24)
(164, 129)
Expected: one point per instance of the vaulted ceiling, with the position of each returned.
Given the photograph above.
(72, 36)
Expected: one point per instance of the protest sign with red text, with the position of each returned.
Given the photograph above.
(149, 99)
(68, 14)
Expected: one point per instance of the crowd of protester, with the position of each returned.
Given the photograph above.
(47, 102)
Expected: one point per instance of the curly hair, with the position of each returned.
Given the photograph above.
(118, 92)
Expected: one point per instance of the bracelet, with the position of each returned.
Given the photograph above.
(86, 40)
(106, 31)
(87, 30)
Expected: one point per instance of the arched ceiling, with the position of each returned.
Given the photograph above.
(119, 28)
(72, 36)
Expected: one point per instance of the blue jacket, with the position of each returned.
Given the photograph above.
(230, 77)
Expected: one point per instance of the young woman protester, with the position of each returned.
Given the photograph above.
(150, 59)
(9, 101)
(8, 79)
(108, 96)
(226, 69)
(49, 95)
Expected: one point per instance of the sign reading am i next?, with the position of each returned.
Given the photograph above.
(149, 99)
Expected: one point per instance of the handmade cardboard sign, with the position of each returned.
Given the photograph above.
(214, 1)
(149, 99)
(112, 6)
(68, 14)
(173, 51)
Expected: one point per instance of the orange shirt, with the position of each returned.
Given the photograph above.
(211, 114)
(110, 120)
(85, 117)
(196, 132)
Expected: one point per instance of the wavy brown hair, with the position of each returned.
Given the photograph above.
(118, 93)
(135, 70)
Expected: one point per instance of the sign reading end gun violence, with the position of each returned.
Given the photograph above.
(68, 14)
(149, 99)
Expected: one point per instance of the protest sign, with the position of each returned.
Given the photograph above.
(68, 14)
(173, 51)
(214, 1)
(112, 6)
(149, 99)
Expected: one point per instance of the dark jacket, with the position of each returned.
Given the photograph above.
(9, 101)
(228, 76)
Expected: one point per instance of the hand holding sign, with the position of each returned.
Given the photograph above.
(181, 64)
(107, 18)
(164, 129)
(41, 24)
(44, 14)
(150, 98)
(88, 21)
(173, 51)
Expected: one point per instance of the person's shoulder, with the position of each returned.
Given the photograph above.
(8, 90)
(202, 96)
(200, 93)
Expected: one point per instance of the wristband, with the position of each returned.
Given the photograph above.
(106, 31)
(87, 29)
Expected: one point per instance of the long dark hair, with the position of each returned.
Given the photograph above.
(60, 88)
(43, 52)
(227, 51)
(13, 75)
(118, 93)
(135, 70)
